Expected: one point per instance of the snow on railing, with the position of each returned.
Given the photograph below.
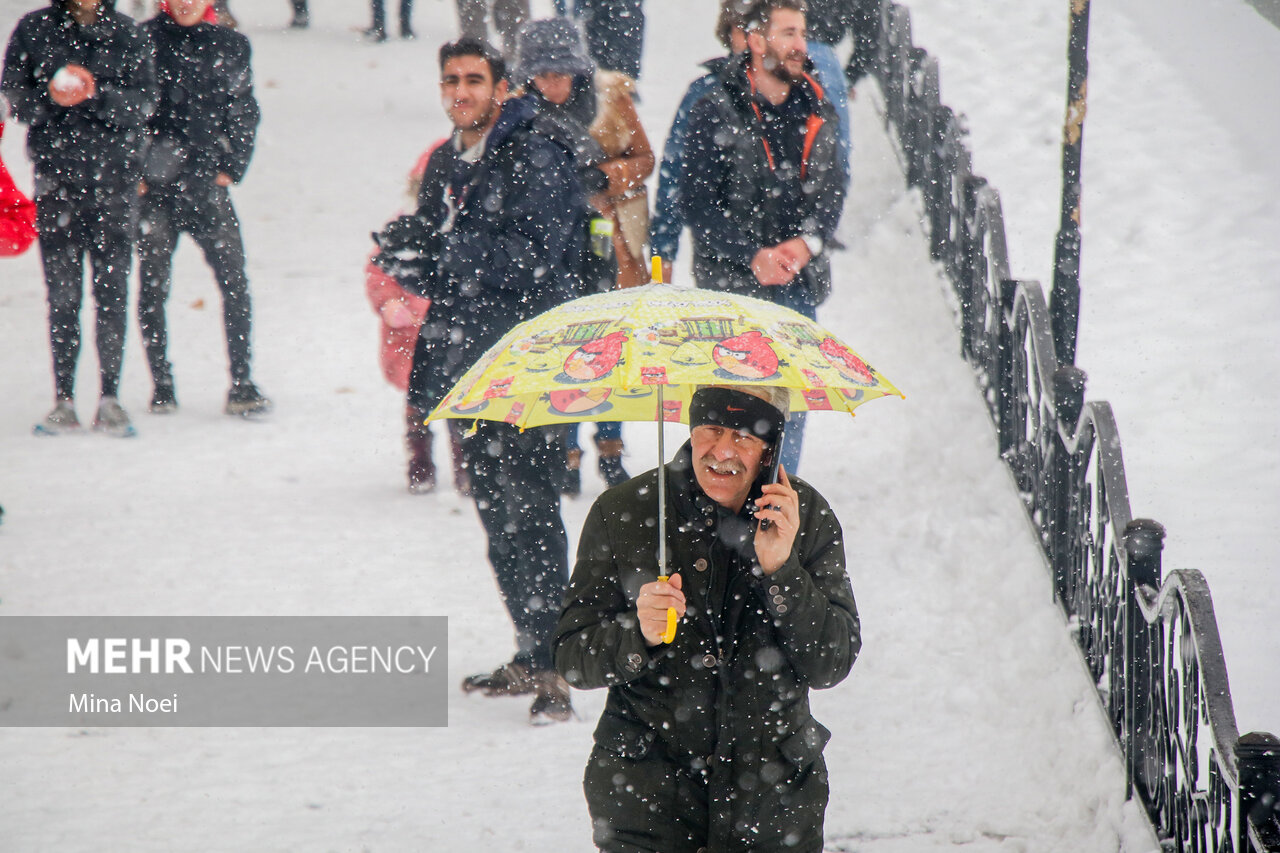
(1151, 644)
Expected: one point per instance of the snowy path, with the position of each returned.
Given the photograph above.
(968, 720)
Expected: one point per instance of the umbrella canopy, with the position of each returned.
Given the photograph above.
(627, 355)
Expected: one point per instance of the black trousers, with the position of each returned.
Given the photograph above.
(615, 33)
(102, 222)
(208, 216)
(516, 492)
(380, 16)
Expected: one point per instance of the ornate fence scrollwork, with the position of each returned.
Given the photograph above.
(1150, 643)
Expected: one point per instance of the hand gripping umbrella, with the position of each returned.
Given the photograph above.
(640, 353)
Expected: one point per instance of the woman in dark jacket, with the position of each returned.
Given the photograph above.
(708, 742)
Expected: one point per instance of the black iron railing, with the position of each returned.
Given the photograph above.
(1150, 642)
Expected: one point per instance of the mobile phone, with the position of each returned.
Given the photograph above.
(768, 475)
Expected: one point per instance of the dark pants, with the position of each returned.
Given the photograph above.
(508, 16)
(71, 221)
(615, 33)
(518, 500)
(300, 7)
(209, 217)
(380, 16)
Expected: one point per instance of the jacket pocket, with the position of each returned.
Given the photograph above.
(806, 745)
(624, 737)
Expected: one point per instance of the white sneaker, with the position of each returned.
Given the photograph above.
(60, 421)
(113, 420)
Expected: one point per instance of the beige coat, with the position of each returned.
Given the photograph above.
(618, 131)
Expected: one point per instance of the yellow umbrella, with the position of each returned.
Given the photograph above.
(627, 354)
(639, 354)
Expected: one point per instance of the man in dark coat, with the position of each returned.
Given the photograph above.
(81, 76)
(707, 742)
(489, 245)
(761, 182)
(201, 140)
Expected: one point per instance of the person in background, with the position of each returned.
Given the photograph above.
(615, 33)
(486, 267)
(378, 29)
(707, 741)
(593, 110)
(401, 314)
(668, 219)
(82, 77)
(17, 212)
(301, 15)
(201, 141)
(508, 16)
(761, 181)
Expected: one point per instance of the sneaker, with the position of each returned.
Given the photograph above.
(551, 704)
(60, 421)
(244, 399)
(163, 400)
(112, 419)
(510, 679)
(422, 476)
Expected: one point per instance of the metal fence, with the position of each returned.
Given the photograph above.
(1150, 642)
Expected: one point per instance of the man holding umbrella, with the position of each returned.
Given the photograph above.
(706, 741)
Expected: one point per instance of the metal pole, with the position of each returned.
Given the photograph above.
(662, 488)
(1064, 299)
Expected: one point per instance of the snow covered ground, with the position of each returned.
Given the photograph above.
(968, 720)
(1180, 279)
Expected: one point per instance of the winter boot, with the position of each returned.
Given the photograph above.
(510, 679)
(417, 439)
(244, 399)
(461, 476)
(112, 419)
(572, 483)
(60, 421)
(610, 461)
(551, 700)
(163, 399)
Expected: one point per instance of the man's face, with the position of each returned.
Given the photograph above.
(469, 94)
(188, 13)
(726, 462)
(781, 47)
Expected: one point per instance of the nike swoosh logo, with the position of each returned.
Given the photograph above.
(732, 409)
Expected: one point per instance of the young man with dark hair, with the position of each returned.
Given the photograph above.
(761, 185)
(490, 245)
(706, 741)
(81, 76)
(201, 140)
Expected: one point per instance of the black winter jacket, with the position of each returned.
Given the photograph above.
(736, 202)
(740, 706)
(207, 116)
(490, 244)
(98, 142)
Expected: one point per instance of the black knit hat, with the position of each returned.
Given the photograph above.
(734, 409)
(551, 45)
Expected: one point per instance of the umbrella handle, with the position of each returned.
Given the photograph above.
(669, 634)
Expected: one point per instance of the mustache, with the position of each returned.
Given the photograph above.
(727, 466)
